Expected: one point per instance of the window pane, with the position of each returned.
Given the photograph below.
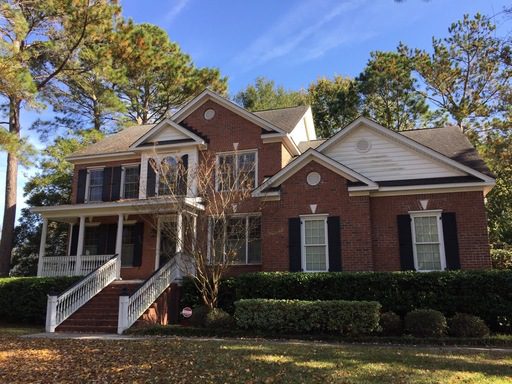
(426, 229)
(315, 258)
(314, 231)
(254, 251)
(428, 257)
(226, 172)
(91, 241)
(247, 170)
(235, 245)
(131, 182)
(254, 240)
(168, 176)
(95, 184)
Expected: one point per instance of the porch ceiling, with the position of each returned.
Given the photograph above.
(68, 212)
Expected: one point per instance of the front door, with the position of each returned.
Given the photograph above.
(167, 241)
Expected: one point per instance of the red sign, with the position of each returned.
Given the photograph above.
(186, 312)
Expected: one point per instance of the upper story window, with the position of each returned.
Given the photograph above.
(428, 245)
(167, 180)
(236, 170)
(314, 243)
(95, 185)
(130, 182)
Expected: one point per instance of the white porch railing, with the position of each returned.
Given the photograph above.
(59, 308)
(52, 266)
(132, 307)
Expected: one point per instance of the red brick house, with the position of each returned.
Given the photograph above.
(366, 199)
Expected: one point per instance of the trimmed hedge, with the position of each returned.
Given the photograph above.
(334, 316)
(23, 299)
(501, 258)
(425, 323)
(486, 294)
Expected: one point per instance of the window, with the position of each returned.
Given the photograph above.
(236, 171)
(427, 237)
(128, 246)
(95, 185)
(239, 237)
(130, 182)
(167, 176)
(314, 243)
(91, 237)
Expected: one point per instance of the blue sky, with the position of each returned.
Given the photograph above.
(292, 42)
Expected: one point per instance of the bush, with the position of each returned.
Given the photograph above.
(401, 292)
(295, 316)
(464, 325)
(501, 258)
(217, 319)
(198, 318)
(425, 323)
(391, 324)
(23, 299)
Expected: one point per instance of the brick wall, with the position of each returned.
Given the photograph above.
(471, 226)
(330, 196)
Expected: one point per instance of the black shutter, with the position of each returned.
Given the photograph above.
(182, 176)
(80, 189)
(116, 183)
(74, 240)
(138, 234)
(334, 235)
(451, 241)
(405, 243)
(151, 180)
(294, 245)
(111, 231)
(107, 184)
(102, 239)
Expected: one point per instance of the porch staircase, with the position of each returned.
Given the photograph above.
(100, 314)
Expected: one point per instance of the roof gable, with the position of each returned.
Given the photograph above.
(390, 155)
(304, 159)
(167, 133)
(206, 95)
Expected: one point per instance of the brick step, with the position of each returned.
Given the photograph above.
(91, 322)
(94, 315)
(87, 329)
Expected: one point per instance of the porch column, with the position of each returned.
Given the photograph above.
(119, 243)
(42, 246)
(80, 245)
(179, 233)
(194, 232)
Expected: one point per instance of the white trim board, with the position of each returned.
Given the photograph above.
(163, 125)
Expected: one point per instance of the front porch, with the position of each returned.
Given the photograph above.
(98, 232)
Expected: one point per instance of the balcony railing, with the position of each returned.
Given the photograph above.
(52, 266)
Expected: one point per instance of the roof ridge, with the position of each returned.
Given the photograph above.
(278, 109)
(427, 128)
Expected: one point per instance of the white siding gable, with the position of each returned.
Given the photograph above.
(167, 133)
(386, 159)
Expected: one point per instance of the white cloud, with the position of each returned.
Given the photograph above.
(178, 6)
(304, 28)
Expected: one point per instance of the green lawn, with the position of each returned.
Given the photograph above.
(168, 360)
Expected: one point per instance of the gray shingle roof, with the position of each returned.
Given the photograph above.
(452, 143)
(115, 143)
(305, 145)
(284, 118)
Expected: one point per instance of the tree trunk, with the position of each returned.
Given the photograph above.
(9, 220)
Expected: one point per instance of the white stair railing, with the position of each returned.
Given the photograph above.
(132, 307)
(51, 266)
(59, 308)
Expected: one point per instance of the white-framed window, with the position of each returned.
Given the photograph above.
(91, 238)
(130, 181)
(128, 246)
(428, 242)
(237, 170)
(167, 176)
(94, 185)
(314, 240)
(240, 235)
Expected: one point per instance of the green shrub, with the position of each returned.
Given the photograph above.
(425, 323)
(217, 318)
(501, 258)
(391, 324)
(464, 325)
(401, 292)
(23, 299)
(333, 316)
(198, 318)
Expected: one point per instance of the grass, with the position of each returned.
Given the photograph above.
(170, 360)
